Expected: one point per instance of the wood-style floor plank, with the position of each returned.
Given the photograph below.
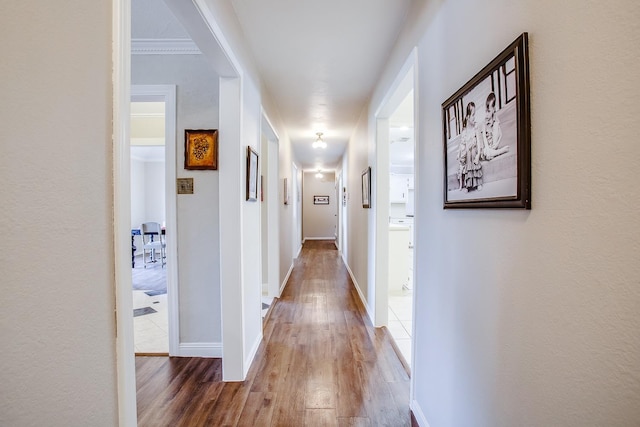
(321, 363)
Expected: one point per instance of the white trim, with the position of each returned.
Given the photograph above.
(286, 279)
(164, 47)
(210, 20)
(252, 354)
(232, 283)
(403, 83)
(271, 204)
(298, 253)
(200, 349)
(360, 295)
(125, 361)
(319, 238)
(417, 412)
(167, 93)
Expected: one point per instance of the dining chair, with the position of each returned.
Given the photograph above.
(151, 241)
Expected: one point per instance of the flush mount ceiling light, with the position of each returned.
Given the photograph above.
(319, 174)
(319, 143)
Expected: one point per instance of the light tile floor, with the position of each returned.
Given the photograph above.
(400, 322)
(151, 331)
(266, 303)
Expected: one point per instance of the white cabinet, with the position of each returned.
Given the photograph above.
(399, 185)
(397, 189)
(406, 222)
(398, 257)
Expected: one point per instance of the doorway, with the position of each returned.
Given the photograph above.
(270, 233)
(153, 199)
(401, 225)
(395, 213)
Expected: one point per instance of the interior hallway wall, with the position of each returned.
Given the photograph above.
(198, 231)
(531, 317)
(358, 219)
(318, 221)
(58, 364)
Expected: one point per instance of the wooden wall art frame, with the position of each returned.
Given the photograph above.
(201, 149)
(487, 135)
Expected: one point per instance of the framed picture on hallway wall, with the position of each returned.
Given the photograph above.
(286, 192)
(201, 149)
(486, 134)
(366, 188)
(252, 174)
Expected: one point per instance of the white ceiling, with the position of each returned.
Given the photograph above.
(319, 59)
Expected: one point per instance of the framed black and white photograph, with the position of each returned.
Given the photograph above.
(366, 188)
(252, 174)
(320, 200)
(487, 139)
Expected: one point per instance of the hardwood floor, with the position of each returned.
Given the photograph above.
(320, 364)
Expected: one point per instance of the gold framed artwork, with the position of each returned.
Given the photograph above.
(201, 149)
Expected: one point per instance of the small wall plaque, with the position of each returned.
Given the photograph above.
(185, 185)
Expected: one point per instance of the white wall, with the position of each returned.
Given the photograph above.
(536, 321)
(252, 302)
(318, 221)
(138, 209)
(154, 196)
(58, 364)
(147, 194)
(197, 214)
(358, 219)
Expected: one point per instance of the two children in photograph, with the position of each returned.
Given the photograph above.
(478, 144)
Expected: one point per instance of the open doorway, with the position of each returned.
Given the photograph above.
(269, 164)
(153, 271)
(401, 230)
(148, 273)
(395, 156)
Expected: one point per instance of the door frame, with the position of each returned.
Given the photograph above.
(167, 93)
(271, 205)
(405, 81)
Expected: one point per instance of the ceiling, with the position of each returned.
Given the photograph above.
(320, 61)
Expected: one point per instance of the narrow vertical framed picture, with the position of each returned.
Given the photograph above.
(201, 149)
(366, 188)
(252, 174)
(286, 192)
(487, 138)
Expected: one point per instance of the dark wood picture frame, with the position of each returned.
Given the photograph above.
(201, 149)
(286, 192)
(366, 188)
(252, 174)
(487, 135)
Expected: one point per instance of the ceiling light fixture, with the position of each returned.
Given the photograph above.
(319, 143)
(319, 174)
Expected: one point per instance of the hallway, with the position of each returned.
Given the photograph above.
(320, 363)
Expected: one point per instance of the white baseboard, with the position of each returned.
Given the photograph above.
(252, 354)
(355, 282)
(417, 412)
(286, 279)
(199, 349)
(318, 238)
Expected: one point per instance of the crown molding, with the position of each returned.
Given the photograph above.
(164, 47)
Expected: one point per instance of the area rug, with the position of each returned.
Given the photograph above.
(151, 279)
(142, 311)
